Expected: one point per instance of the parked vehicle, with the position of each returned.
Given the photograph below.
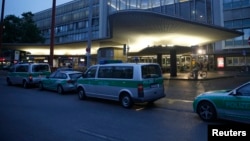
(125, 82)
(231, 105)
(27, 74)
(60, 81)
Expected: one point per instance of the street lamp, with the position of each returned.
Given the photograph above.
(88, 49)
(52, 34)
(1, 26)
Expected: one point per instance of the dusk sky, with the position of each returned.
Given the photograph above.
(17, 7)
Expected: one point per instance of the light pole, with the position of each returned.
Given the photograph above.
(88, 49)
(52, 34)
(1, 26)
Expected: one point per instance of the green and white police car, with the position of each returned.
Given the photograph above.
(124, 82)
(27, 74)
(60, 81)
(231, 105)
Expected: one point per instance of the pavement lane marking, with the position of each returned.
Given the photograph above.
(179, 100)
(100, 136)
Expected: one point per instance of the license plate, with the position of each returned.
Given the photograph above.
(154, 86)
(42, 76)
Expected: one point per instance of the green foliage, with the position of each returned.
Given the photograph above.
(21, 30)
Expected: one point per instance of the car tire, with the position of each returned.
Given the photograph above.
(151, 103)
(81, 94)
(126, 101)
(41, 86)
(9, 83)
(60, 89)
(206, 111)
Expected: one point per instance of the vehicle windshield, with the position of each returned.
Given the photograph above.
(151, 71)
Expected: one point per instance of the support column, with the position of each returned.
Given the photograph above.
(159, 59)
(173, 64)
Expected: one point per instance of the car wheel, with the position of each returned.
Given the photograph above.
(206, 111)
(126, 101)
(9, 83)
(41, 86)
(25, 84)
(81, 94)
(60, 89)
(151, 103)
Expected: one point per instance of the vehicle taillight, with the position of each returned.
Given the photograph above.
(140, 90)
(70, 81)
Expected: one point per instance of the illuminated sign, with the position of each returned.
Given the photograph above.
(220, 62)
(2, 59)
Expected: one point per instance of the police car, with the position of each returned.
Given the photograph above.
(27, 74)
(61, 81)
(231, 105)
(127, 83)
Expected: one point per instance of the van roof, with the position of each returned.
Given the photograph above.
(126, 64)
(21, 63)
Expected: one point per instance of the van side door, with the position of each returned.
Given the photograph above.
(89, 81)
(104, 82)
(21, 74)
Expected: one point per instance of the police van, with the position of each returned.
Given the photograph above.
(27, 74)
(127, 83)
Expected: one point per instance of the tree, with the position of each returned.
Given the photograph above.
(12, 29)
(21, 30)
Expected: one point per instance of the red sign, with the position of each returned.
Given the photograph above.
(220, 62)
(2, 59)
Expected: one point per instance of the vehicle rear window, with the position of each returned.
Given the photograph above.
(75, 75)
(151, 71)
(40, 68)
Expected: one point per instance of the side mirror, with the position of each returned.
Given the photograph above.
(234, 92)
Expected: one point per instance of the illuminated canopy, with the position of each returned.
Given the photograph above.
(142, 30)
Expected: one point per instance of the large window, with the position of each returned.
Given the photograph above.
(246, 36)
(237, 61)
(201, 10)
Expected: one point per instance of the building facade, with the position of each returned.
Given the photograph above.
(72, 19)
(75, 19)
(236, 15)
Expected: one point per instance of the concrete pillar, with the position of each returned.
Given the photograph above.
(159, 59)
(173, 62)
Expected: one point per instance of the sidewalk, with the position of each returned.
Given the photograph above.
(185, 75)
(210, 75)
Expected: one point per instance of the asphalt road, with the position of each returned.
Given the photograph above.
(33, 115)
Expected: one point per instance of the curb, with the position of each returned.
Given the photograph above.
(199, 79)
(211, 78)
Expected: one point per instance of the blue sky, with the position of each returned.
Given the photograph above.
(17, 7)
